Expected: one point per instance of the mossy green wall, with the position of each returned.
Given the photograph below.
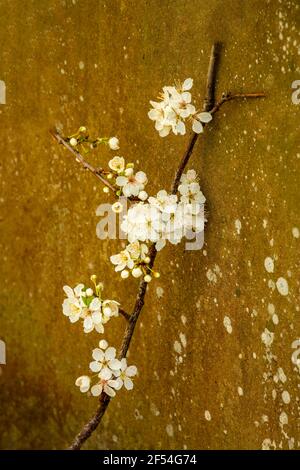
(97, 63)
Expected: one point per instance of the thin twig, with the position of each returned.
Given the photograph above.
(96, 171)
(125, 314)
(88, 429)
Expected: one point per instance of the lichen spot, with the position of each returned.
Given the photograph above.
(238, 226)
(170, 430)
(227, 324)
(286, 398)
(282, 286)
(295, 232)
(269, 264)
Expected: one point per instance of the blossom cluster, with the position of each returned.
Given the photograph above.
(134, 260)
(82, 303)
(111, 374)
(175, 108)
(165, 217)
(129, 183)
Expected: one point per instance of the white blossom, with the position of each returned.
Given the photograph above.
(117, 164)
(142, 222)
(111, 374)
(165, 217)
(104, 358)
(132, 183)
(175, 108)
(83, 383)
(124, 375)
(129, 259)
(198, 119)
(73, 304)
(82, 304)
(105, 384)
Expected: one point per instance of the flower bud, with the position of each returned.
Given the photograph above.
(93, 278)
(137, 272)
(117, 207)
(113, 143)
(143, 195)
(73, 142)
(89, 292)
(156, 274)
(124, 274)
(82, 129)
(147, 278)
(105, 189)
(147, 260)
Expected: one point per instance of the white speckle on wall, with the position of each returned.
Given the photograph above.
(159, 292)
(268, 444)
(183, 319)
(282, 286)
(269, 264)
(238, 226)
(271, 309)
(211, 276)
(283, 418)
(177, 347)
(154, 410)
(81, 65)
(275, 319)
(286, 398)
(227, 324)
(295, 232)
(240, 391)
(170, 430)
(267, 337)
(207, 415)
(182, 339)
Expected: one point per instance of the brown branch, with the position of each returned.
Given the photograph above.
(88, 429)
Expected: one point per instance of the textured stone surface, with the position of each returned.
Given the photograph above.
(98, 63)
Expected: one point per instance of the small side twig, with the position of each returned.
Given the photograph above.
(87, 166)
(124, 314)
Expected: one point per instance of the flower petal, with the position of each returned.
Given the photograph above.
(204, 117)
(128, 384)
(95, 366)
(131, 371)
(187, 84)
(98, 354)
(109, 391)
(96, 390)
(110, 353)
(197, 126)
